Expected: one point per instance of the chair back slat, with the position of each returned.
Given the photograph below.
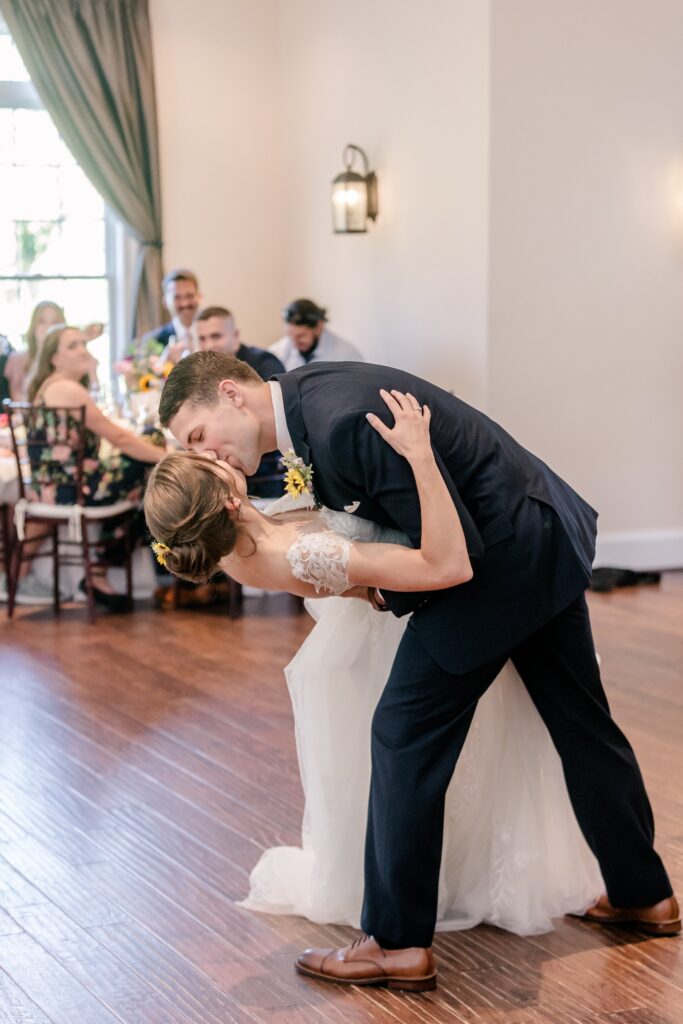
(49, 444)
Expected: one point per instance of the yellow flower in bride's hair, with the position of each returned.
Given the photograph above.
(294, 483)
(162, 551)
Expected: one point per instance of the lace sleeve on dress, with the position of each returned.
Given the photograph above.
(321, 560)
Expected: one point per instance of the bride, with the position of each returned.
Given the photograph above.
(513, 854)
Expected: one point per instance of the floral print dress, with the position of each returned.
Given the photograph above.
(53, 441)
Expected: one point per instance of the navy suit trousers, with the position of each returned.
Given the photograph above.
(418, 731)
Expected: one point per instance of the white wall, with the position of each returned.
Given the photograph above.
(256, 103)
(410, 86)
(217, 82)
(586, 252)
(527, 255)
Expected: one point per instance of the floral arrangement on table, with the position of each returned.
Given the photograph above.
(141, 365)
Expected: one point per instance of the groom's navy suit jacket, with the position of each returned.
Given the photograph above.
(531, 538)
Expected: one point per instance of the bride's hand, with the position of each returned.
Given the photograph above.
(410, 433)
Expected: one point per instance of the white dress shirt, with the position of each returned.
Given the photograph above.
(330, 348)
(282, 435)
(182, 333)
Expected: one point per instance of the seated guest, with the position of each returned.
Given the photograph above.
(181, 298)
(308, 339)
(61, 381)
(216, 331)
(20, 367)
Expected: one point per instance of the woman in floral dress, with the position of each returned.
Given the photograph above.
(61, 382)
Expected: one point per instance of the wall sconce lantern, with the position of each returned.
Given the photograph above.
(354, 195)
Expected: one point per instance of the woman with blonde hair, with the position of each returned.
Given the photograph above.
(20, 367)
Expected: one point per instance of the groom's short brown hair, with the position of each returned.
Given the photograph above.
(196, 380)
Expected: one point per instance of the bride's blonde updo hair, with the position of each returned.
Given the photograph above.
(185, 511)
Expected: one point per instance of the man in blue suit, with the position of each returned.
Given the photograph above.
(531, 541)
(182, 298)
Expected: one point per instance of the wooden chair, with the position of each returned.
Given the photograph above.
(50, 443)
(5, 540)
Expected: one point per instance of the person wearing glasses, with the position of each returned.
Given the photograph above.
(308, 339)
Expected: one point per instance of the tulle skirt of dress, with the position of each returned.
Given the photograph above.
(513, 854)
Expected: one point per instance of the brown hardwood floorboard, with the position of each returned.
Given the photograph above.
(146, 761)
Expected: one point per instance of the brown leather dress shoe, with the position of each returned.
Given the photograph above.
(364, 962)
(661, 918)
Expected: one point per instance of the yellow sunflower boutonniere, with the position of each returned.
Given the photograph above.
(162, 551)
(299, 476)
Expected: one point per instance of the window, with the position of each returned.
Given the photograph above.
(55, 230)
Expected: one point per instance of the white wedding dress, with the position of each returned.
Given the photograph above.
(513, 854)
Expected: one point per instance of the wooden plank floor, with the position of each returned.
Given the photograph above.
(146, 761)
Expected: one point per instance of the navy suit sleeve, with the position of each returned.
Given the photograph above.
(371, 467)
(160, 334)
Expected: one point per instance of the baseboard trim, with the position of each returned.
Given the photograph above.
(640, 549)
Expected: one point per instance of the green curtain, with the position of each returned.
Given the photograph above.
(91, 62)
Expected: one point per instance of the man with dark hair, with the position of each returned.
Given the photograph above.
(215, 330)
(531, 541)
(308, 338)
(181, 297)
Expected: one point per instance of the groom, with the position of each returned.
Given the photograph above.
(531, 542)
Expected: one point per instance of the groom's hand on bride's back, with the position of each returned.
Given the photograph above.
(370, 594)
(376, 599)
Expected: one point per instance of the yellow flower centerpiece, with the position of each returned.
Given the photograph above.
(140, 367)
(147, 381)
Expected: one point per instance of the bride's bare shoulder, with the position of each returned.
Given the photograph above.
(263, 562)
(248, 563)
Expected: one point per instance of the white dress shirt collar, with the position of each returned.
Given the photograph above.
(282, 435)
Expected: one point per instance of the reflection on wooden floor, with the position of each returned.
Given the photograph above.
(147, 760)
